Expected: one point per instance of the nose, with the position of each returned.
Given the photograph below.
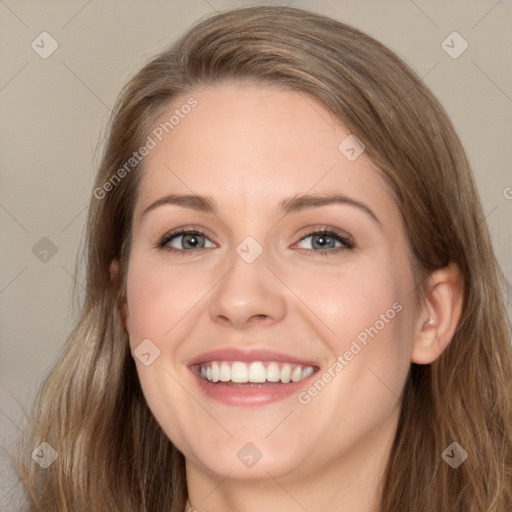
(248, 294)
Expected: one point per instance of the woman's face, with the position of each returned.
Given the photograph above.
(256, 294)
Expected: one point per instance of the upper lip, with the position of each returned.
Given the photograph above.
(248, 355)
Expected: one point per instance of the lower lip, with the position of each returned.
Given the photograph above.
(249, 393)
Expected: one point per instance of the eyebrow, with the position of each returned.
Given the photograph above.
(292, 204)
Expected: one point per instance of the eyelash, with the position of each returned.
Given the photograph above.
(346, 241)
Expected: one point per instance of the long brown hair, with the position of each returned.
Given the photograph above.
(112, 455)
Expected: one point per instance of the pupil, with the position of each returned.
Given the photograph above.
(191, 240)
(322, 240)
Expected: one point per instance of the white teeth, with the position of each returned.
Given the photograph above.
(225, 372)
(273, 372)
(286, 373)
(239, 372)
(215, 372)
(296, 374)
(256, 371)
(306, 372)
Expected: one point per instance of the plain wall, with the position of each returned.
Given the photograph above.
(54, 111)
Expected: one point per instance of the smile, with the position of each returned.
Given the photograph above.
(240, 372)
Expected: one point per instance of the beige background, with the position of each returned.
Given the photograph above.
(54, 110)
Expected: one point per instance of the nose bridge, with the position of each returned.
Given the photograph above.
(248, 290)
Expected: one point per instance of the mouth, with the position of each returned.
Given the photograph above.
(240, 377)
(256, 372)
(250, 376)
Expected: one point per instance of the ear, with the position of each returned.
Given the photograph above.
(114, 272)
(440, 314)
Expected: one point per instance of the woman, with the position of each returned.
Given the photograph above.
(292, 298)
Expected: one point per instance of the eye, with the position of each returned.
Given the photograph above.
(322, 239)
(183, 240)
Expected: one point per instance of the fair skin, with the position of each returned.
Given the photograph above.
(249, 147)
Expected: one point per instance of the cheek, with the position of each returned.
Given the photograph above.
(158, 298)
(349, 298)
(362, 313)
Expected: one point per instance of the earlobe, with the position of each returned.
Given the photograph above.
(440, 315)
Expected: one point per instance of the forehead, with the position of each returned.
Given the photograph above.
(254, 144)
